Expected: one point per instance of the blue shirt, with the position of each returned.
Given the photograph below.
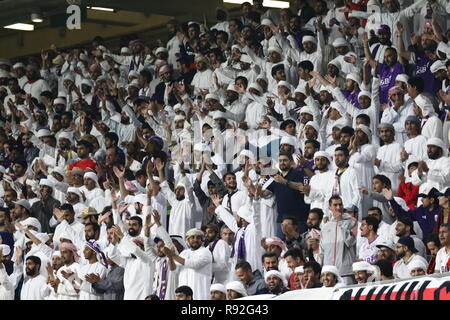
(290, 202)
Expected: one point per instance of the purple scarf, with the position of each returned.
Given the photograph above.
(242, 253)
(162, 291)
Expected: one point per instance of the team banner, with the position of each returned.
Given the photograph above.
(423, 288)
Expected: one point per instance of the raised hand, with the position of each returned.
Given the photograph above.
(215, 199)
(119, 174)
(387, 193)
(156, 217)
(159, 165)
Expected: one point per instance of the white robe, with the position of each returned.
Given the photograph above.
(438, 175)
(432, 127)
(86, 290)
(181, 212)
(252, 236)
(362, 161)
(196, 272)
(138, 276)
(6, 287)
(36, 88)
(66, 288)
(203, 80)
(75, 230)
(220, 262)
(391, 163)
(34, 288)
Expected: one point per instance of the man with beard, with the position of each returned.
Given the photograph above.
(290, 201)
(112, 285)
(203, 79)
(68, 225)
(310, 236)
(34, 286)
(182, 200)
(406, 254)
(195, 265)
(306, 161)
(233, 108)
(91, 231)
(276, 282)
(434, 172)
(269, 261)
(234, 199)
(384, 41)
(397, 112)
(66, 283)
(84, 149)
(386, 252)
(388, 160)
(415, 147)
(315, 191)
(220, 252)
(93, 271)
(128, 252)
(43, 209)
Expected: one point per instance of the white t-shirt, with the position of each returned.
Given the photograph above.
(441, 261)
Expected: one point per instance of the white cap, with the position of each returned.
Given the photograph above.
(355, 77)
(87, 82)
(300, 89)
(60, 101)
(255, 86)
(218, 287)
(160, 50)
(335, 63)
(364, 93)
(366, 130)
(318, 154)
(362, 266)
(245, 213)
(133, 73)
(4, 74)
(306, 109)
(69, 76)
(437, 142)
(46, 182)
(218, 115)
(340, 42)
(292, 141)
(424, 104)
(212, 96)
(19, 65)
(32, 222)
(237, 47)
(299, 269)
(277, 274)
(417, 264)
(6, 250)
(402, 77)
(246, 59)
(266, 22)
(125, 50)
(238, 287)
(310, 39)
(313, 124)
(178, 118)
(43, 133)
(247, 153)
(92, 176)
(331, 269)
(275, 48)
(437, 65)
(75, 191)
(386, 243)
(134, 83)
(140, 198)
(286, 84)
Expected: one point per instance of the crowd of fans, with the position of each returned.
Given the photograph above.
(281, 150)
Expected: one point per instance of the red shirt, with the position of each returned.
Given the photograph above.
(83, 164)
(408, 192)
